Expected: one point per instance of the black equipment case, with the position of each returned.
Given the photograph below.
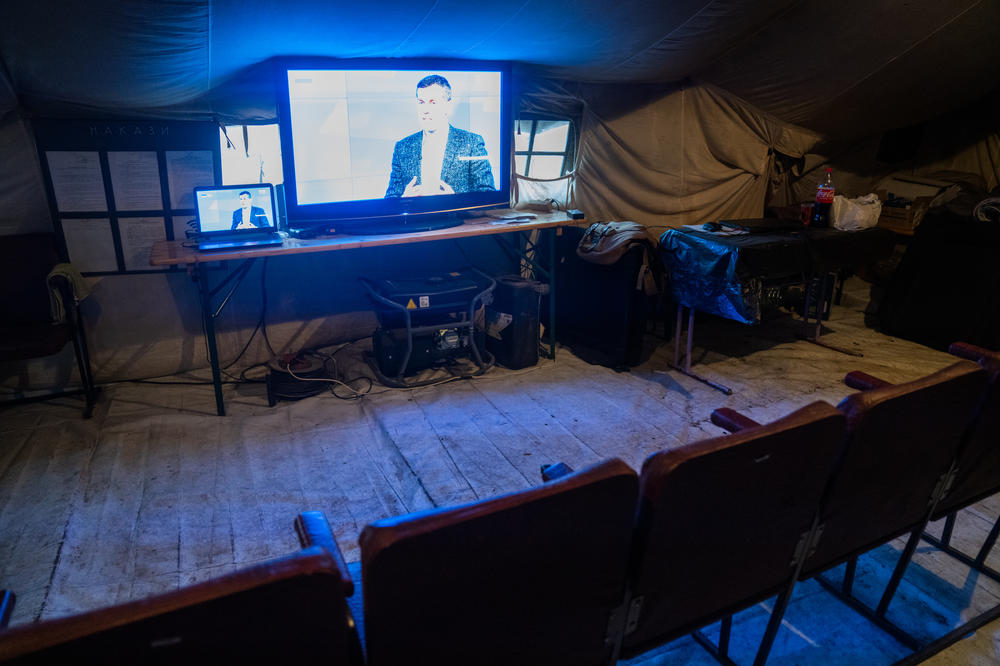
(599, 311)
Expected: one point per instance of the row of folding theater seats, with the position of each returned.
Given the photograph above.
(600, 564)
(973, 475)
(597, 564)
(912, 453)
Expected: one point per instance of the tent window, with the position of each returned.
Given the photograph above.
(542, 147)
(261, 163)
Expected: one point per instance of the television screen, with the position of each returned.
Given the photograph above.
(227, 208)
(388, 139)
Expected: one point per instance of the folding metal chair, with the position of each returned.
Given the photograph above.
(726, 523)
(533, 577)
(977, 470)
(973, 475)
(901, 444)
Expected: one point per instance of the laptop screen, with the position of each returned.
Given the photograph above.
(233, 209)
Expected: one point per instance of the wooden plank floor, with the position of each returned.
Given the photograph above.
(157, 492)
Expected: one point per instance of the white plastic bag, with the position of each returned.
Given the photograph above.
(855, 214)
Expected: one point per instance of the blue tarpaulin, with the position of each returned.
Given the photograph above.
(725, 275)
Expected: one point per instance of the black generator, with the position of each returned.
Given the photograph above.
(427, 321)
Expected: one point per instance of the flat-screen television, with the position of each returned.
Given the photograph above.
(381, 146)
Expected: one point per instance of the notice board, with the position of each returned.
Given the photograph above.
(116, 187)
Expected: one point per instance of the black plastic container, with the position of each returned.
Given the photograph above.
(512, 321)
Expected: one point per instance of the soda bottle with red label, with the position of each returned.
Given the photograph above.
(824, 201)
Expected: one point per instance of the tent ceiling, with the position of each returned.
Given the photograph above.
(845, 68)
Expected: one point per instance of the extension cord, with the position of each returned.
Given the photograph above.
(303, 366)
(282, 385)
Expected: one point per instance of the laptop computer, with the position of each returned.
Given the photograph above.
(762, 226)
(236, 216)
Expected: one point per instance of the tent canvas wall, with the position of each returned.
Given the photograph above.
(690, 111)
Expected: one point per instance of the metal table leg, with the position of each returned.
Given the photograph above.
(552, 293)
(686, 368)
(208, 317)
(208, 321)
(821, 305)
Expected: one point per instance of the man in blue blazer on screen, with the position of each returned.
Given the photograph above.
(248, 216)
(440, 158)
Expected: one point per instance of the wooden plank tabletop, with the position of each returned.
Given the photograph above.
(897, 226)
(169, 253)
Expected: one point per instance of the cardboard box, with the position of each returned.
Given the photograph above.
(904, 220)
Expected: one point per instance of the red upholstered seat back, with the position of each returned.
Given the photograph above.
(286, 611)
(525, 578)
(719, 520)
(901, 439)
(978, 473)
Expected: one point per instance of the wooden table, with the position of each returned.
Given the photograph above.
(897, 226)
(184, 253)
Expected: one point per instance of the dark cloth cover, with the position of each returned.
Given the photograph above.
(947, 286)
